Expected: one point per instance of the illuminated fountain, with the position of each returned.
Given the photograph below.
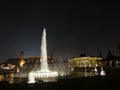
(44, 74)
(31, 78)
(102, 72)
(96, 71)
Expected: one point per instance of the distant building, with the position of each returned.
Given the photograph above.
(85, 62)
(111, 60)
(28, 62)
(6, 68)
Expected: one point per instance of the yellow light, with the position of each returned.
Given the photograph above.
(22, 62)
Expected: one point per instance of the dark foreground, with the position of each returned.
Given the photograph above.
(109, 82)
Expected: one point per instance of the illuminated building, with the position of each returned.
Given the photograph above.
(7, 66)
(29, 62)
(85, 62)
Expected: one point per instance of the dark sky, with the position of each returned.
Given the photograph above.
(72, 27)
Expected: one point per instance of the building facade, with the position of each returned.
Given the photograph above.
(85, 62)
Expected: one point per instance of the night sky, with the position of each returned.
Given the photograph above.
(72, 27)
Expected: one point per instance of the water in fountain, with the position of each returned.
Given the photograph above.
(44, 64)
(31, 78)
(44, 74)
(96, 71)
(102, 72)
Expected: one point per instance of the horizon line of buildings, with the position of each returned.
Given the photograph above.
(110, 60)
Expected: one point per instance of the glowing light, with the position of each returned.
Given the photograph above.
(96, 71)
(31, 78)
(22, 62)
(102, 72)
(44, 74)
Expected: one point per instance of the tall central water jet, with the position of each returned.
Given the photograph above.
(44, 64)
(44, 73)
